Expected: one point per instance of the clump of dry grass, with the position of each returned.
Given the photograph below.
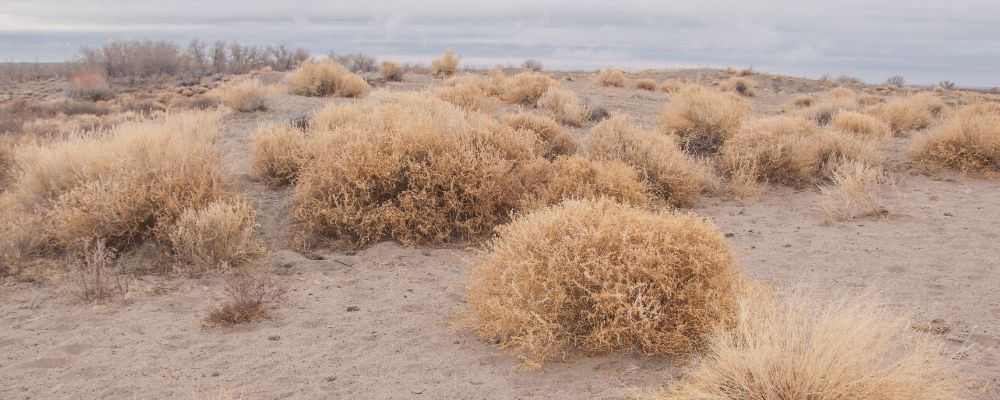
(829, 104)
(611, 77)
(249, 295)
(803, 101)
(325, 78)
(968, 141)
(671, 174)
(526, 88)
(546, 183)
(391, 71)
(469, 92)
(244, 95)
(90, 86)
(789, 151)
(219, 235)
(743, 86)
(860, 124)
(564, 106)
(847, 348)
(412, 168)
(123, 186)
(852, 191)
(446, 65)
(552, 140)
(645, 84)
(702, 119)
(907, 114)
(95, 274)
(276, 153)
(671, 86)
(600, 277)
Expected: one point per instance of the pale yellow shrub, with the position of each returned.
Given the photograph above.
(552, 140)
(801, 347)
(671, 86)
(742, 86)
(852, 191)
(968, 141)
(599, 277)
(391, 71)
(702, 119)
(469, 92)
(546, 183)
(860, 124)
(907, 114)
(671, 174)
(611, 77)
(645, 84)
(325, 78)
(564, 106)
(244, 95)
(218, 235)
(526, 88)
(276, 153)
(446, 65)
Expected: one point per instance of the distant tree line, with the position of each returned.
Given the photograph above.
(144, 58)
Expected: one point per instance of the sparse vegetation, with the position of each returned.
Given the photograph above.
(611, 77)
(532, 65)
(249, 296)
(218, 236)
(89, 86)
(446, 65)
(907, 114)
(645, 84)
(702, 119)
(564, 106)
(276, 153)
(598, 277)
(852, 191)
(671, 86)
(743, 86)
(95, 274)
(968, 141)
(244, 95)
(896, 80)
(325, 78)
(356, 62)
(391, 71)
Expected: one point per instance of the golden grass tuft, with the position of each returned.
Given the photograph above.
(217, 236)
(611, 77)
(244, 95)
(546, 183)
(446, 65)
(249, 296)
(798, 347)
(645, 84)
(599, 277)
(552, 139)
(803, 101)
(122, 186)
(907, 114)
(671, 174)
(671, 86)
(325, 78)
(742, 86)
(470, 92)
(413, 168)
(823, 109)
(276, 153)
(526, 88)
(857, 123)
(564, 106)
(852, 191)
(968, 141)
(702, 119)
(391, 71)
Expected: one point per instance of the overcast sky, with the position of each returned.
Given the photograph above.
(924, 41)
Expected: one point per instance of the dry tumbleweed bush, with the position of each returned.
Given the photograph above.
(601, 277)
(645, 84)
(671, 174)
(219, 235)
(391, 71)
(564, 106)
(95, 274)
(249, 295)
(968, 141)
(276, 153)
(446, 65)
(797, 347)
(907, 114)
(550, 136)
(546, 183)
(743, 86)
(860, 124)
(244, 95)
(853, 191)
(703, 119)
(526, 88)
(611, 77)
(325, 78)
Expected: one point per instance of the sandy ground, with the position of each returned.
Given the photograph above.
(380, 323)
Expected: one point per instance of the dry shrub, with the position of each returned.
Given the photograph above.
(671, 174)
(446, 65)
(611, 77)
(852, 191)
(220, 235)
(601, 277)
(860, 124)
(95, 274)
(803, 101)
(743, 86)
(121, 186)
(244, 95)
(907, 114)
(526, 88)
(276, 153)
(391, 71)
(829, 104)
(968, 141)
(645, 84)
(413, 168)
(325, 78)
(702, 119)
(546, 183)
(870, 100)
(469, 92)
(90, 86)
(789, 151)
(847, 348)
(249, 295)
(552, 139)
(564, 106)
(532, 65)
(671, 86)
(332, 116)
